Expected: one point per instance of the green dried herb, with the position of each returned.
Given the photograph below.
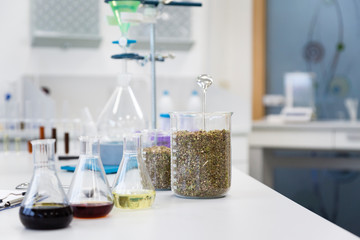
(201, 163)
(157, 160)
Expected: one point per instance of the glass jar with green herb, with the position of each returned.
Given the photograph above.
(157, 155)
(200, 154)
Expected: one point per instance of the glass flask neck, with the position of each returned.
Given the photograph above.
(43, 153)
(124, 79)
(90, 146)
(132, 144)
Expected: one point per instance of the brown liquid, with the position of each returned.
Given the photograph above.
(46, 216)
(42, 132)
(53, 136)
(29, 146)
(92, 210)
(66, 143)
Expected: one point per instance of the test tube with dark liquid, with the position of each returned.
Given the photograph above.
(67, 143)
(29, 146)
(53, 136)
(41, 132)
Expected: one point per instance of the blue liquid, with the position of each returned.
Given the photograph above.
(111, 153)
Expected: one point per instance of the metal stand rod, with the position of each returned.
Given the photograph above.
(182, 4)
(153, 76)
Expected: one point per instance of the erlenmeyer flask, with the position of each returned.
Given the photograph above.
(45, 205)
(121, 114)
(132, 186)
(89, 193)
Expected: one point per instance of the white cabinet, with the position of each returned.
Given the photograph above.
(266, 138)
(347, 140)
(292, 138)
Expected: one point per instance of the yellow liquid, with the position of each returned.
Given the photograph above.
(134, 201)
(17, 144)
(6, 143)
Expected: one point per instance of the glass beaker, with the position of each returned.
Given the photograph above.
(132, 187)
(157, 157)
(121, 115)
(45, 205)
(89, 193)
(200, 158)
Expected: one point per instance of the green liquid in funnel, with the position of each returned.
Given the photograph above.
(123, 6)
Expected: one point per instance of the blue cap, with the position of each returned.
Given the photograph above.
(166, 92)
(7, 96)
(164, 115)
(194, 93)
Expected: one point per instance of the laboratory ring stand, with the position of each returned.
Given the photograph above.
(156, 4)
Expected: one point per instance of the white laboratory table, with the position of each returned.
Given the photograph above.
(266, 138)
(250, 210)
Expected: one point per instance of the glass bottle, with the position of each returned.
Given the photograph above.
(132, 187)
(45, 205)
(157, 157)
(89, 194)
(121, 115)
(200, 158)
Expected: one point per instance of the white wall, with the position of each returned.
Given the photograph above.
(221, 30)
(230, 41)
(17, 56)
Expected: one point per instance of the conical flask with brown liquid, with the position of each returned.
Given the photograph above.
(45, 205)
(89, 193)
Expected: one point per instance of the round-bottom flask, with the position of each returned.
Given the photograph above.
(132, 186)
(45, 205)
(89, 193)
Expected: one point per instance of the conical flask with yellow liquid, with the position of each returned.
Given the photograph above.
(132, 187)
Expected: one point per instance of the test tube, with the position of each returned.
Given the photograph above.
(6, 142)
(17, 136)
(67, 142)
(42, 132)
(2, 128)
(29, 146)
(53, 136)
